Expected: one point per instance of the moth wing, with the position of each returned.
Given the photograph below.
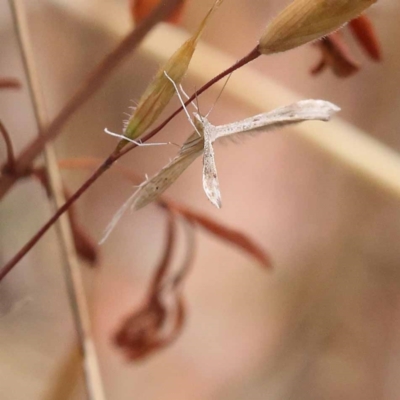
(210, 177)
(305, 110)
(152, 188)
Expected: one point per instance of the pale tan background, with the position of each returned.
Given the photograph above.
(324, 325)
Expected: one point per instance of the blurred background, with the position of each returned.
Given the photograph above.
(324, 324)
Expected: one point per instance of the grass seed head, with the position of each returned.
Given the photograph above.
(160, 91)
(306, 20)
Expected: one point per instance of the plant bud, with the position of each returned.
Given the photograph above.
(307, 20)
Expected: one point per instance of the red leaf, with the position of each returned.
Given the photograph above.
(228, 234)
(140, 9)
(336, 55)
(364, 31)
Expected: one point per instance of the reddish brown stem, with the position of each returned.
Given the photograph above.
(189, 258)
(86, 90)
(10, 83)
(103, 167)
(9, 166)
(230, 235)
(111, 159)
(166, 260)
(84, 246)
(255, 53)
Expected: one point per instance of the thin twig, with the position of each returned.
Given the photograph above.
(189, 256)
(191, 217)
(73, 277)
(165, 262)
(230, 235)
(10, 83)
(9, 166)
(110, 160)
(84, 245)
(95, 80)
(10, 265)
(242, 62)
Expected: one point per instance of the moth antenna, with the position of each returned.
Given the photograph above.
(219, 95)
(138, 143)
(187, 97)
(182, 102)
(197, 101)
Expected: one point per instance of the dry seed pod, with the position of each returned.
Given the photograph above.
(307, 20)
(160, 91)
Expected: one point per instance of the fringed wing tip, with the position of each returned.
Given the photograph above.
(325, 109)
(217, 202)
(129, 203)
(213, 194)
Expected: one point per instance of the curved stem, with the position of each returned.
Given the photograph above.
(10, 265)
(243, 61)
(9, 166)
(95, 80)
(114, 157)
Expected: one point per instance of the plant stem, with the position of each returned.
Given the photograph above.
(10, 83)
(95, 80)
(243, 61)
(71, 268)
(9, 266)
(9, 166)
(114, 157)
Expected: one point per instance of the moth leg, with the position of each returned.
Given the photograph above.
(187, 98)
(182, 102)
(219, 94)
(137, 142)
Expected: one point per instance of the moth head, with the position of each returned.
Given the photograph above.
(198, 117)
(199, 121)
